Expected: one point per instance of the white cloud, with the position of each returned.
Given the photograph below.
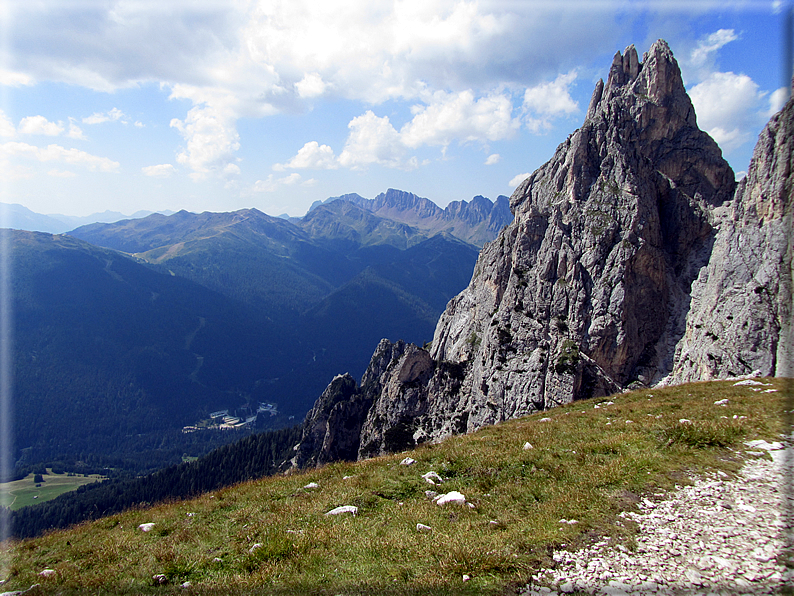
(6, 126)
(61, 174)
(58, 153)
(494, 158)
(39, 125)
(548, 101)
(516, 180)
(777, 99)
(311, 85)
(728, 107)
(211, 137)
(707, 46)
(75, 132)
(311, 155)
(163, 170)
(271, 185)
(14, 79)
(100, 117)
(139, 124)
(461, 117)
(372, 140)
(231, 169)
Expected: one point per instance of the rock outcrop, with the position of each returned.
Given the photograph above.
(611, 272)
(740, 320)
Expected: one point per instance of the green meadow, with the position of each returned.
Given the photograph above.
(588, 461)
(21, 493)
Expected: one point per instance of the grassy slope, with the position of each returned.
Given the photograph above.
(587, 463)
(21, 493)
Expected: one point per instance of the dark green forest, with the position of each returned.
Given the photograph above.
(253, 457)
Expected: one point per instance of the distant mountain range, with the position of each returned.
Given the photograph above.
(475, 222)
(131, 330)
(21, 218)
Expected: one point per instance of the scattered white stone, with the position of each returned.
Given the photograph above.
(450, 497)
(185, 585)
(684, 421)
(432, 478)
(146, 527)
(346, 477)
(312, 485)
(528, 446)
(191, 514)
(217, 560)
(343, 509)
(629, 421)
(747, 382)
(254, 547)
(466, 577)
(769, 391)
(596, 407)
(160, 578)
(545, 419)
(761, 444)
(47, 573)
(408, 461)
(721, 402)
(423, 528)
(689, 542)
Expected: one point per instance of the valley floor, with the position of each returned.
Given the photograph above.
(714, 537)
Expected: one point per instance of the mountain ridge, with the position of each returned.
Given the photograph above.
(591, 289)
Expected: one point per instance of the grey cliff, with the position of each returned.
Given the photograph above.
(633, 259)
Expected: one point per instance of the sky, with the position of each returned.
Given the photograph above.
(219, 105)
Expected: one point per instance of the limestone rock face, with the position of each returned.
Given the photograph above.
(628, 263)
(332, 428)
(740, 320)
(587, 290)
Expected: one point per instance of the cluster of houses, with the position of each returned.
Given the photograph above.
(222, 420)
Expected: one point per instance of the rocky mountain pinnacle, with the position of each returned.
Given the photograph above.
(597, 283)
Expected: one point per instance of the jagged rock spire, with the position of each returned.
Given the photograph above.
(588, 290)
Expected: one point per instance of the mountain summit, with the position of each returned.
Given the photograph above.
(588, 290)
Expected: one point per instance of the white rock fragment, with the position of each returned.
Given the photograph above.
(47, 573)
(254, 547)
(147, 527)
(423, 528)
(185, 585)
(346, 477)
(191, 514)
(761, 444)
(466, 577)
(312, 485)
(684, 421)
(159, 578)
(528, 446)
(343, 509)
(451, 497)
(408, 461)
(721, 402)
(747, 382)
(432, 478)
(545, 419)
